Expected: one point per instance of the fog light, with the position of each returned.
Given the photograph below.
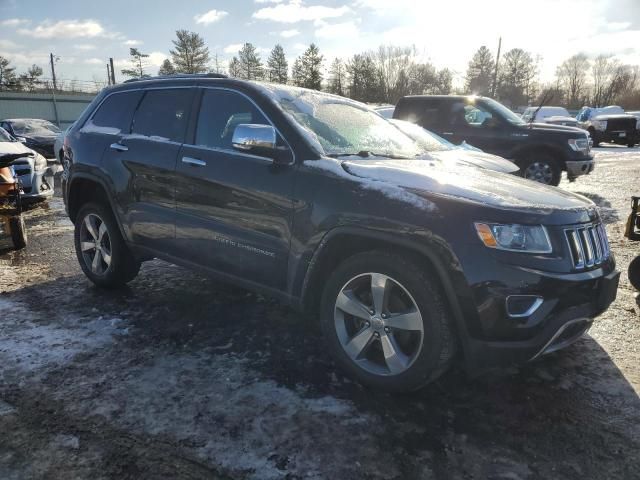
(521, 306)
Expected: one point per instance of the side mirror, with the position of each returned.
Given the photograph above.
(21, 139)
(260, 140)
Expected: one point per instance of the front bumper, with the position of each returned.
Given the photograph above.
(557, 325)
(620, 137)
(36, 185)
(575, 168)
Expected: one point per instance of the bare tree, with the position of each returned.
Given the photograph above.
(31, 79)
(337, 77)
(572, 78)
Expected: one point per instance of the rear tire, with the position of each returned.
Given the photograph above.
(634, 273)
(540, 167)
(18, 232)
(407, 341)
(102, 252)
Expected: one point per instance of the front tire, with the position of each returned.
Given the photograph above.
(541, 168)
(102, 252)
(18, 232)
(385, 323)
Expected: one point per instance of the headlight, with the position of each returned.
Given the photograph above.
(39, 162)
(579, 144)
(600, 125)
(514, 238)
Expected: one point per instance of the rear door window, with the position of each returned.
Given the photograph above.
(221, 111)
(163, 114)
(117, 111)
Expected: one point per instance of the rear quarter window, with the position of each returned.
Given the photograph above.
(117, 111)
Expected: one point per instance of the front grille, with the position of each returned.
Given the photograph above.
(621, 124)
(588, 245)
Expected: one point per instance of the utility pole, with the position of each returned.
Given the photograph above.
(108, 75)
(53, 71)
(113, 75)
(495, 72)
(55, 87)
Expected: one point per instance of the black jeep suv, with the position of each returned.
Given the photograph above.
(319, 201)
(541, 150)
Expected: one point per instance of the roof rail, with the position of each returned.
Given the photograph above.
(177, 75)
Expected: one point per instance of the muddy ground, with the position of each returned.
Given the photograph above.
(180, 377)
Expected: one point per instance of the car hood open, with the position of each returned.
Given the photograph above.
(472, 184)
(476, 159)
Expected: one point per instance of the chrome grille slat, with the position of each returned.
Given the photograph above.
(588, 245)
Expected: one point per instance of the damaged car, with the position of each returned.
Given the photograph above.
(37, 134)
(35, 175)
(409, 265)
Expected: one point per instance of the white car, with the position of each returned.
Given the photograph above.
(447, 152)
(551, 115)
(32, 170)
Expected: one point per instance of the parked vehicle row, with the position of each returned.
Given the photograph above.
(610, 125)
(411, 262)
(541, 151)
(39, 135)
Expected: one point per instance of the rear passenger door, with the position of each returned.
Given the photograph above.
(145, 157)
(234, 209)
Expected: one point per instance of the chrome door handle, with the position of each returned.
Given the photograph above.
(447, 133)
(119, 147)
(194, 161)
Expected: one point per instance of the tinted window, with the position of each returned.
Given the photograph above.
(423, 111)
(221, 111)
(163, 114)
(117, 110)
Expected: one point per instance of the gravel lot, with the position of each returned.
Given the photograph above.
(181, 377)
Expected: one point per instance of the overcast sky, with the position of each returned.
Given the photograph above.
(85, 33)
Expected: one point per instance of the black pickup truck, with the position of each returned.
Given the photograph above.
(542, 151)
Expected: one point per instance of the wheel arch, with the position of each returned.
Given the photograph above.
(85, 188)
(556, 152)
(343, 242)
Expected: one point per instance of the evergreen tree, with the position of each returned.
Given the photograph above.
(138, 63)
(31, 79)
(7, 75)
(297, 75)
(311, 68)
(167, 68)
(190, 54)
(479, 76)
(278, 66)
(337, 77)
(234, 68)
(364, 80)
(518, 70)
(250, 63)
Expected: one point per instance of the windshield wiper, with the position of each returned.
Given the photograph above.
(546, 97)
(368, 153)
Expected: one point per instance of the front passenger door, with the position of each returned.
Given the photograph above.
(234, 209)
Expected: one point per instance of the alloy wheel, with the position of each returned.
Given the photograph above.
(95, 244)
(378, 324)
(539, 172)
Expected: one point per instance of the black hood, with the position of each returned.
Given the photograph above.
(548, 127)
(43, 139)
